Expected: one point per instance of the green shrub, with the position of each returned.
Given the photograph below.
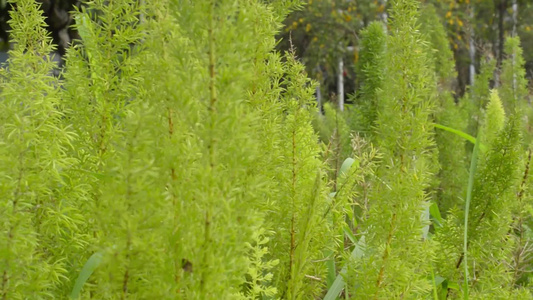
(176, 158)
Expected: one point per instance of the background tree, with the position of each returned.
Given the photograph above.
(325, 31)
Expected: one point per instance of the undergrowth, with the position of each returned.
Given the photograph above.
(178, 156)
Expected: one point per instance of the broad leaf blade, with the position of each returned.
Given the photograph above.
(346, 165)
(92, 263)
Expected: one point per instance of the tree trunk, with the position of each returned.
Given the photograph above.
(501, 30)
(515, 16)
(472, 46)
(340, 84)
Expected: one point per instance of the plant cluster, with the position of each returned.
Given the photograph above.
(179, 156)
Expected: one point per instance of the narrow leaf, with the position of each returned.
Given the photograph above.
(338, 284)
(332, 270)
(473, 167)
(92, 263)
(462, 134)
(350, 235)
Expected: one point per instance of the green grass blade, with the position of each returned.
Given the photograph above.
(473, 167)
(349, 235)
(462, 134)
(338, 284)
(92, 263)
(435, 284)
(330, 265)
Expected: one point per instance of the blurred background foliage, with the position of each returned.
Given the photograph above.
(325, 31)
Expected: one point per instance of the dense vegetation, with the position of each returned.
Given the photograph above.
(179, 156)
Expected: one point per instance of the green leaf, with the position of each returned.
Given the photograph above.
(346, 165)
(96, 175)
(350, 235)
(453, 285)
(435, 214)
(439, 280)
(92, 263)
(473, 168)
(436, 280)
(84, 26)
(338, 284)
(332, 270)
(462, 134)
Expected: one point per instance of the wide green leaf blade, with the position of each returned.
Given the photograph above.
(92, 263)
(346, 165)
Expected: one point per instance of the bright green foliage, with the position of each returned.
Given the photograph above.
(441, 52)
(490, 217)
(480, 91)
(299, 188)
(281, 189)
(493, 197)
(478, 95)
(176, 159)
(513, 88)
(527, 110)
(40, 221)
(259, 282)
(453, 172)
(294, 191)
(494, 119)
(521, 256)
(371, 69)
(452, 156)
(335, 133)
(210, 141)
(116, 152)
(394, 226)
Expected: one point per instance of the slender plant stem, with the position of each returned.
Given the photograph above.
(473, 167)
(386, 253)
